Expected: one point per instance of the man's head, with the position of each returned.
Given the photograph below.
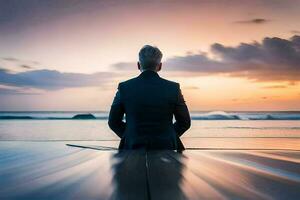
(150, 58)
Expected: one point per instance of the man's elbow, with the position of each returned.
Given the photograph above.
(184, 126)
(111, 124)
(187, 125)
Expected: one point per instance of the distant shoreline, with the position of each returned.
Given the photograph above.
(103, 111)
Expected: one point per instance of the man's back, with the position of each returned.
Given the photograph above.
(149, 103)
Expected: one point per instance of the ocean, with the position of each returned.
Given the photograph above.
(266, 130)
(230, 155)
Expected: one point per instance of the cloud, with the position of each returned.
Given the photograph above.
(188, 63)
(253, 21)
(11, 59)
(275, 87)
(16, 64)
(125, 65)
(191, 63)
(10, 91)
(295, 31)
(191, 88)
(3, 70)
(53, 80)
(26, 66)
(18, 15)
(17, 60)
(272, 59)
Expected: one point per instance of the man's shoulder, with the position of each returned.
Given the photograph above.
(135, 80)
(129, 81)
(169, 82)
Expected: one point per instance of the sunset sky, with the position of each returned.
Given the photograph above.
(227, 55)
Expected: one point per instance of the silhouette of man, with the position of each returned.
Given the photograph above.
(149, 103)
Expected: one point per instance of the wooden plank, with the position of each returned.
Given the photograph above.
(94, 147)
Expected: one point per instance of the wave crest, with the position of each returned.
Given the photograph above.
(216, 115)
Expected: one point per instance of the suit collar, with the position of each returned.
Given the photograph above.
(149, 73)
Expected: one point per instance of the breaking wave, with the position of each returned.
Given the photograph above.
(216, 115)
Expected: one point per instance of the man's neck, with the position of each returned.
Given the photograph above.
(148, 70)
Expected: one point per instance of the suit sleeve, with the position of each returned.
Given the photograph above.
(115, 119)
(182, 116)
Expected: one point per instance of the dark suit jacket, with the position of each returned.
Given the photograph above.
(149, 104)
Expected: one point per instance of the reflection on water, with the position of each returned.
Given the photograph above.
(129, 176)
(237, 175)
(147, 175)
(36, 170)
(243, 143)
(166, 174)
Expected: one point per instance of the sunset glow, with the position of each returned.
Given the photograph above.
(70, 55)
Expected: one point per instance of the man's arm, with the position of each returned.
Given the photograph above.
(115, 119)
(182, 115)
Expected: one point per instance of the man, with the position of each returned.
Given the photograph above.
(149, 104)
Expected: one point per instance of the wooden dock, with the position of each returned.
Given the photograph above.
(56, 171)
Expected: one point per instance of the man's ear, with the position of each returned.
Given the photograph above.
(159, 67)
(139, 66)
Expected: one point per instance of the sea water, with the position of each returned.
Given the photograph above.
(209, 129)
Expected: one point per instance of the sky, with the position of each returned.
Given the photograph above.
(226, 55)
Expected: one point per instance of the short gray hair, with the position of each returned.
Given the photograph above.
(150, 57)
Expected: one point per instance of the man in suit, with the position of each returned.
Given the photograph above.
(149, 103)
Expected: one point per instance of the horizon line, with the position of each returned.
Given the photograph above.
(107, 111)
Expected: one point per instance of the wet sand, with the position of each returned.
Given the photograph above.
(52, 170)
